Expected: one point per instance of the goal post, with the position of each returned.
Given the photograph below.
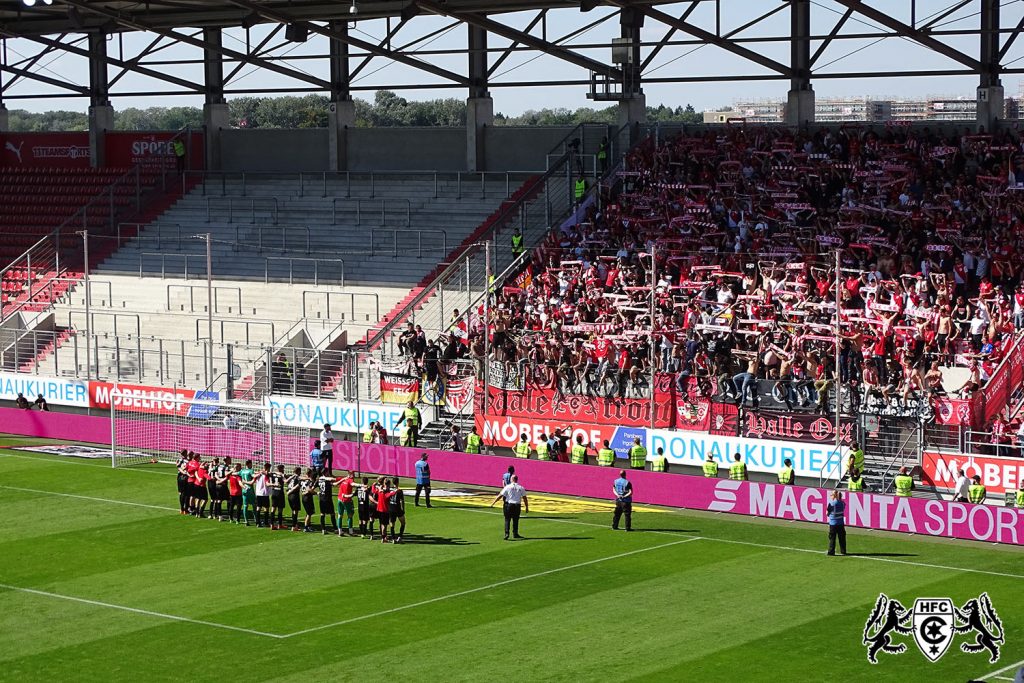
(147, 432)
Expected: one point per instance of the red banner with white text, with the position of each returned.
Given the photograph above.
(26, 150)
(998, 475)
(153, 149)
(543, 404)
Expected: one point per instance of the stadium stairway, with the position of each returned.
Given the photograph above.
(151, 328)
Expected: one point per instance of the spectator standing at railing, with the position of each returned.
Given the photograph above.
(904, 483)
(22, 402)
(710, 467)
(738, 469)
(977, 492)
(41, 403)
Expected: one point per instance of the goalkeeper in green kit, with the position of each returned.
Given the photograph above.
(248, 492)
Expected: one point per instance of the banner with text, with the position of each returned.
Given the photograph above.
(542, 404)
(153, 149)
(152, 400)
(1007, 377)
(311, 413)
(692, 448)
(998, 475)
(57, 391)
(395, 388)
(502, 431)
(22, 150)
(796, 427)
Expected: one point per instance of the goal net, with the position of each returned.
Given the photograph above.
(145, 433)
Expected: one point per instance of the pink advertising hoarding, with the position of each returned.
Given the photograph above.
(909, 515)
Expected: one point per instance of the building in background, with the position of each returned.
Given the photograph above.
(864, 110)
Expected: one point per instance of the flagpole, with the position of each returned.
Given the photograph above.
(487, 342)
(838, 374)
(652, 351)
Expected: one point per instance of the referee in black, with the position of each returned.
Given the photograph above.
(514, 496)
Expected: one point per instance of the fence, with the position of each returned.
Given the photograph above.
(60, 252)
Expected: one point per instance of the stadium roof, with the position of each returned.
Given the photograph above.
(790, 40)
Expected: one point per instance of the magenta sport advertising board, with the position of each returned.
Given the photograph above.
(987, 523)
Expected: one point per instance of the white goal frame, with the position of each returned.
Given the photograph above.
(158, 435)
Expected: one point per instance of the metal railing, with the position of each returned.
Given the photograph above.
(154, 232)
(262, 243)
(456, 184)
(217, 290)
(984, 443)
(184, 258)
(358, 201)
(546, 201)
(103, 315)
(223, 325)
(330, 313)
(336, 266)
(396, 233)
(61, 248)
(271, 207)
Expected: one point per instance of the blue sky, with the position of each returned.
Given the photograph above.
(842, 56)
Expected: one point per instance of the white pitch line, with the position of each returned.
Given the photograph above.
(85, 464)
(93, 498)
(489, 586)
(134, 610)
(995, 674)
(775, 547)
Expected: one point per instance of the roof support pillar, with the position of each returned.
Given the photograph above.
(479, 106)
(101, 114)
(800, 99)
(990, 89)
(216, 116)
(341, 112)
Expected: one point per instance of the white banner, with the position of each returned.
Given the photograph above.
(56, 390)
(759, 455)
(311, 413)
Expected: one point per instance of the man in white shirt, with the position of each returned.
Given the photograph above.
(963, 486)
(514, 496)
(327, 447)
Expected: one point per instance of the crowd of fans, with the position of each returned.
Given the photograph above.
(739, 232)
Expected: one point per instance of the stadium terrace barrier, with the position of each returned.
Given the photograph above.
(908, 515)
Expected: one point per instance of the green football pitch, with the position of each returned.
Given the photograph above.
(102, 579)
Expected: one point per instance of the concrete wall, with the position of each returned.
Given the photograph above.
(520, 149)
(387, 149)
(274, 150)
(406, 149)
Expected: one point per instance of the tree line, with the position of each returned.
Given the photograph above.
(310, 111)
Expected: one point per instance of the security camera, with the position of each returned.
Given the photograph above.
(353, 9)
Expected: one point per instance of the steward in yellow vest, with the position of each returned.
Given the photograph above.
(786, 475)
(738, 470)
(637, 455)
(606, 456)
(710, 467)
(543, 449)
(473, 441)
(660, 462)
(976, 494)
(522, 448)
(904, 483)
